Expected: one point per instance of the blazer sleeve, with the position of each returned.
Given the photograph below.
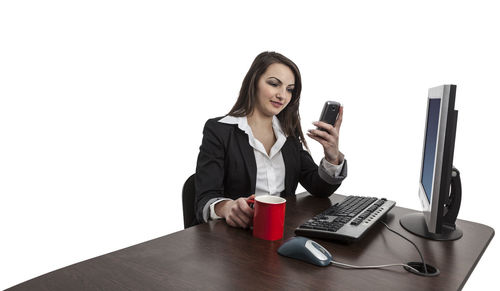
(209, 178)
(314, 179)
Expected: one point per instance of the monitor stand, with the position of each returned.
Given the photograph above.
(415, 223)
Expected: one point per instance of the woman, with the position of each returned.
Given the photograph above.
(258, 148)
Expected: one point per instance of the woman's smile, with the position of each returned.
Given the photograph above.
(276, 104)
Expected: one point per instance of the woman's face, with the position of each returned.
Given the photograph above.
(274, 89)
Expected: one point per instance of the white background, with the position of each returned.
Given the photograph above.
(102, 105)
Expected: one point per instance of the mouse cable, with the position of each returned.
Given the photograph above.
(388, 265)
(339, 264)
(419, 253)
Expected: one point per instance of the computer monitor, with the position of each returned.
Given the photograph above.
(439, 187)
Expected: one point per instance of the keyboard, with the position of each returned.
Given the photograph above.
(348, 220)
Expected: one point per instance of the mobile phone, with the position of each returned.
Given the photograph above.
(330, 113)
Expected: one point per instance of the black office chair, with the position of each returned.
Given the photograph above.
(188, 203)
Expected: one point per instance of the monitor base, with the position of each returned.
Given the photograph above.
(415, 223)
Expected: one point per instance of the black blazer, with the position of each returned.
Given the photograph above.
(226, 167)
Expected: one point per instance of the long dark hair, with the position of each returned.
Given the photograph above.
(289, 117)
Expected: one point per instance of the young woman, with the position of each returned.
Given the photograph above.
(258, 148)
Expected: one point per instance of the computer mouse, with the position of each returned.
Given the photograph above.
(307, 250)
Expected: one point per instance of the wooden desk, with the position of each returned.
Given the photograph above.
(215, 256)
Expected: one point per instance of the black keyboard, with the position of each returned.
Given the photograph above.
(348, 220)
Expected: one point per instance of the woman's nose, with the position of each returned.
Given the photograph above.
(281, 94)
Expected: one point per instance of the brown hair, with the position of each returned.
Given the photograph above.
(289, 117)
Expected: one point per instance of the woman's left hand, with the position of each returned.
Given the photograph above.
(329, 138)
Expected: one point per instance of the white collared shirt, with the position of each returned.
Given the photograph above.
(270, 179)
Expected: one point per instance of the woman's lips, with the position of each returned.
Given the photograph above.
(276, 104)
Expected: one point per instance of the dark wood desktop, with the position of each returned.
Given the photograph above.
(214, 256)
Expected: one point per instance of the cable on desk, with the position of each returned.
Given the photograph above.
(419, 253)
(339, 264)
(406, 266)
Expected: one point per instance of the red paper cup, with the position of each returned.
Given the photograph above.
(269, 217)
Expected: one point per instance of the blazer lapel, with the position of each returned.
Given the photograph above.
(248, 157)
(290, 165)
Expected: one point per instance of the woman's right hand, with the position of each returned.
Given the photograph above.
(236, 212)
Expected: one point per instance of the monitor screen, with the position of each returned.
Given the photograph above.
(430, 146)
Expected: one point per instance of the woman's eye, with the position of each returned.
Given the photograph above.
(290, 90)
(273, 84)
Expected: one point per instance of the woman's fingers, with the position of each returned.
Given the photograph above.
(244, 208)
(325, 126)
(240, 214)
(234, 220)
(338, 123)
(322, 141)
(330, 137)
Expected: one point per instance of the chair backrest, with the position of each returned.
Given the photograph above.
(188, 203)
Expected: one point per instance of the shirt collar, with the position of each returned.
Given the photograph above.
(242, 123)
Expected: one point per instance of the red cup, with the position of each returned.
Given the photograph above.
(269, 217)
